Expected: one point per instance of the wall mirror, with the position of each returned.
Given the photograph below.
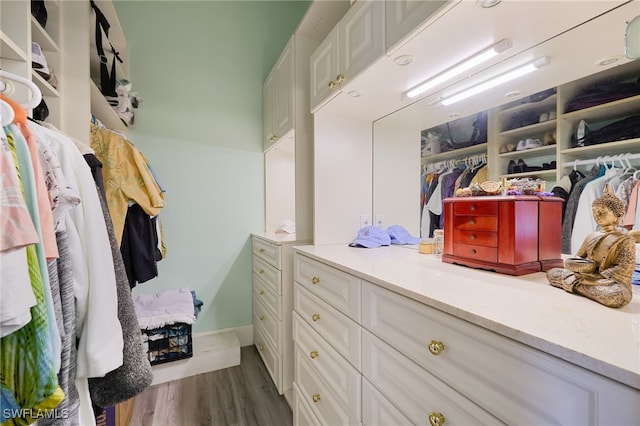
(595, 46)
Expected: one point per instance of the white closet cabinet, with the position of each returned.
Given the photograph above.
(419, 365)
(354, 44)
(278, 98)
(405, 16)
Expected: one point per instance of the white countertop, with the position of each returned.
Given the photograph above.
(525, 308)
(279, 238)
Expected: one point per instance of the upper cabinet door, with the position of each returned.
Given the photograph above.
(324, 69)
(361, 35)
(404, 16)
(283, 109)
(268, 111)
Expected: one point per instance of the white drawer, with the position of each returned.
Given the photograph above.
(269, 323)
(269, 355)
(302, 413)
(326, 404)
(337, 329)
(492, 370)
(266, 295)
(337, 288)
(267, 251)
(377, 410)
(413, 390)
(340, 376)
(268, 273)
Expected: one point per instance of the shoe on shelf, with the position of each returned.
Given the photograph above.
(521, 145)
(511, 167)
(532, 143)
(549, 138)
(509, 147)
(520, 167)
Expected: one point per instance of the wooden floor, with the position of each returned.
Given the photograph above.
(240, 395)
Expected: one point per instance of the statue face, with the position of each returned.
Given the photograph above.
(604, 216)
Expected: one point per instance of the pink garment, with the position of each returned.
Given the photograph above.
(16, 227)
(630, 218)
(44, 206)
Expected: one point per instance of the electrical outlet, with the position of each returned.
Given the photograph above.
(379, 220)
(365, 220)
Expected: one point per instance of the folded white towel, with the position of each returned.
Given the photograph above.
(168, 307)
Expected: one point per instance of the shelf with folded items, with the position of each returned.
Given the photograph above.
(519, 114)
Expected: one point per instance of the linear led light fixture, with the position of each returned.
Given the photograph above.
(461, 67)
(496, 81)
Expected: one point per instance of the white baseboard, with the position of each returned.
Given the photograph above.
(212, 351)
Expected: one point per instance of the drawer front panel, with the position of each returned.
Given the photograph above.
(340, 377)
(487, 254)
(338, 288)
(340, 331)
(489, 369)
(267, 296)
(476, 223)
(325, 404)
(473, 208)
(267, 251)
(269, 323)
(478, 238)
(302, 413)
(269, 355)
(416, 392)
(268, 273)
(377, 410)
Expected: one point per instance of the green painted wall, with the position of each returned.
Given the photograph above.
(199, 66)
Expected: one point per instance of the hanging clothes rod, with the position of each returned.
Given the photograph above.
(603, 159)
(472, 160)
(36, 94)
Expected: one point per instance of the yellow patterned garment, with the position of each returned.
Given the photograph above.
(126, 177)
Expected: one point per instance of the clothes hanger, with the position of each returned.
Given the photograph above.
(36, 94)
(6, 113)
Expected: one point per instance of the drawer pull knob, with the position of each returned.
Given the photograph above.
(472, 221)
(261, 317)
(313, 354)
(436, 347)
(315, 317)
(261, 271)
(339, 78)
(261, 292)
(473, 207)
(332, 85)
(261, 348)
(473, 251)
(316, 397)
(261, 250)
(436, 419)
(315, 280)
(472, 236)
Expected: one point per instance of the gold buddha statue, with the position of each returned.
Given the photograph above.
(606, 260)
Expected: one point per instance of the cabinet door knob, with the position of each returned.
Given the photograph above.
(340, 78)
(315, 317)
(315, 280)
(313, 354)
(316, 397)
(261, 317)
(261, 292)
(436, 347)
(436, 419)
(332, 85)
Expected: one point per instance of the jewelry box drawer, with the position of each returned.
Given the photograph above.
(267, 251)
(476, 223)
(487, 254)
(478, 238)
(476, 208)
(268, 273)
(341, 332)
(337, 288)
